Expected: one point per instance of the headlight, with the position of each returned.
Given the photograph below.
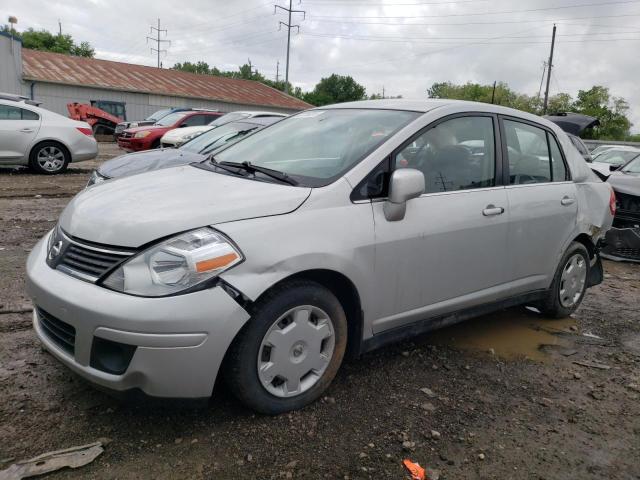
(175, 265)
(95, 178)
(144, 133)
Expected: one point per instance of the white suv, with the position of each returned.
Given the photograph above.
(41, 139)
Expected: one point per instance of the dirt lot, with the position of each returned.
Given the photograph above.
(498, 397)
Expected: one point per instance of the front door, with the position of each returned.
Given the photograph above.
(18, 129)
(447, 252)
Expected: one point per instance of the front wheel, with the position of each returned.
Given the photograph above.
(569, 283)
(290, 350)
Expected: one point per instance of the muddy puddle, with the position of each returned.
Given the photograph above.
(510, 334)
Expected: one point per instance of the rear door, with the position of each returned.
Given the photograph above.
(447, 253)
(18, 130)
(542, 202)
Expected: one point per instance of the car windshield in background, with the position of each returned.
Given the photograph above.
(228, 118)
(158, 115)
(170, 119)
(617, 157)
(216, 137)
(318, 146)
(632, 167)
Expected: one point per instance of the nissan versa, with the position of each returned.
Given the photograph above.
(337, 229)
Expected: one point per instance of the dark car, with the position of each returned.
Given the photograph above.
(623, 241)
(195, 150)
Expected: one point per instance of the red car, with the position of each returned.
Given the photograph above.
(147, 137)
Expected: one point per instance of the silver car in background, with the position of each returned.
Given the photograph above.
(41, 139)
(335, 230)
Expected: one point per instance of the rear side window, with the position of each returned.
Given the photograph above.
(8, 112)
(197, 120)
(534, 155)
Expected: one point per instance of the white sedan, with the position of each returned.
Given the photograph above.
(43, 140)
(176, 137)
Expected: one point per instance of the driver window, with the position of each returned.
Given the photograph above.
(457, 154)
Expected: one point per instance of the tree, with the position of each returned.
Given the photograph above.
(596, 102)
(48, 42)
(335, 89)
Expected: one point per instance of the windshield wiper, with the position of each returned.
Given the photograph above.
(213, 162)
(249, 167)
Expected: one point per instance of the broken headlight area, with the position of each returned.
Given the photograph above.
(622, 244)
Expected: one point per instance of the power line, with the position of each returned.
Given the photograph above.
(289, 26)
(158, 40)
(444, 24)
(394, 4)
(504, 12)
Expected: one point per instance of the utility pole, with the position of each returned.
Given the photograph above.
(550, 64)
(383, 92)
(157, 39)
(544, 70)
(289, 10)
(493, 94)
(277, 71)
(59, 27)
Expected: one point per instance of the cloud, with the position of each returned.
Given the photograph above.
(401, 45)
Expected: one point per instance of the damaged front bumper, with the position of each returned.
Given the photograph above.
(622, 244)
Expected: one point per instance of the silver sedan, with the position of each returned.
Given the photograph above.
(41, 139)
(338, 229)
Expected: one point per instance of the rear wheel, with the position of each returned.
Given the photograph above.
(290, 350)
(49, 158)
(569, 283)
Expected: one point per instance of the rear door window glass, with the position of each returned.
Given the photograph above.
(558, 168)
(528, 153)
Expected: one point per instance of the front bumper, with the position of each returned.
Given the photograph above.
(180, 341)
(134, 144)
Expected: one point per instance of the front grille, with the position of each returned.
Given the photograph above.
(126, 135)
(59, 332)
(630, 253)
(89, 262)
(628, 205)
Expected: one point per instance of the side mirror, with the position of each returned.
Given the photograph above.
(405, 184)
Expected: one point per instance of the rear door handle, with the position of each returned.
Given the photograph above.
(567, 200)
(26, 130)
(492, 210)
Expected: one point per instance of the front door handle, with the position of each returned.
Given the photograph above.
(26, 130)
(492, 210)
(567, 200)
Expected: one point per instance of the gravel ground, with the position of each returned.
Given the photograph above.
(497, 397)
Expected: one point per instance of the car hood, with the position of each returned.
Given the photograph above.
(628, 183)
(133, 211)
(178, 133)
(144, 128)
(146, 161)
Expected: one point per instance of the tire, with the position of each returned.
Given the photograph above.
(565, 295)
(261, 351)
(49, 158)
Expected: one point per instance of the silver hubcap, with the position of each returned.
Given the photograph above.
(296, 351)
(572, 281)
(50, 159)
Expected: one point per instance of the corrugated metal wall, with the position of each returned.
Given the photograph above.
(138, 105)
(10, 65)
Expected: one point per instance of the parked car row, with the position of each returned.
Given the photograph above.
(340, 228)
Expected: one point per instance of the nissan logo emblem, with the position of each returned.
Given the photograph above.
(55, 250)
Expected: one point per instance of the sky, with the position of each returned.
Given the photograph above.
(403, 46)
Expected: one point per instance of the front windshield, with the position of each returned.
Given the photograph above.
(170, 119)
(617, 157)
(208, 141)
(317, 146)
(158, 115)
(228, 117)
(632, 167)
